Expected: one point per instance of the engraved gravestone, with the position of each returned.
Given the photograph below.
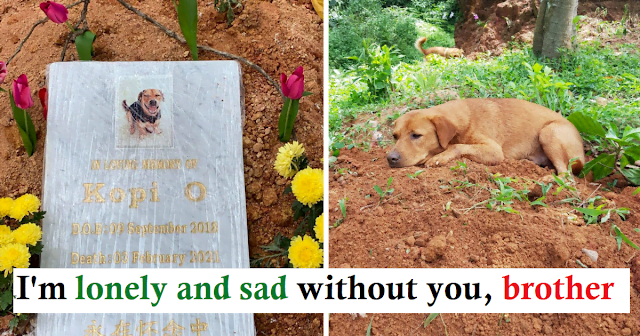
(143, 168)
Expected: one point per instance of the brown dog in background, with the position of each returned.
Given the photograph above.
(442, 51)
(486, 131)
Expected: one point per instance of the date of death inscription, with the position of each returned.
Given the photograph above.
(145, 258)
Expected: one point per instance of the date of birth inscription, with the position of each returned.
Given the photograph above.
(142, 230)
(136, 257)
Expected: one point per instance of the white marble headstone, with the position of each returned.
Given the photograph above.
(143, 168)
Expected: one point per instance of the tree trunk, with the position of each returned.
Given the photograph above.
(554, 27)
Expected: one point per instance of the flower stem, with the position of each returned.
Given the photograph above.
(70, 26)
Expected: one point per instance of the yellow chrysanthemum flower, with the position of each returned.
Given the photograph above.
(27, 234)
(5, 206)
(285, 157)
(13, 255)
(5, 235)
(307, 186)
(305, 252)
(24, 205)
(319, 228)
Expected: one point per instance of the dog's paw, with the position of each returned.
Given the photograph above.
(438, 160)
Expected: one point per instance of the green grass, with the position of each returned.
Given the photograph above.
(571, 83)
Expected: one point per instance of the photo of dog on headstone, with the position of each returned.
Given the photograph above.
(143, 112)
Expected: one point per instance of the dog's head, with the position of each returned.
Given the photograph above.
(150, 100)
(419, 135)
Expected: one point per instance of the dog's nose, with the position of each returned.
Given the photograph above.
(393, 158)
(153, 103)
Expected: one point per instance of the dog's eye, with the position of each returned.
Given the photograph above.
(415, 136)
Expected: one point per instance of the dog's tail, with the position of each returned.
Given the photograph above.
(125, 106)
(419, 43)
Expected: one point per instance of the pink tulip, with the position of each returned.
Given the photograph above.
(293, 88)
(22, 93)
(55, 11)
(3, 71)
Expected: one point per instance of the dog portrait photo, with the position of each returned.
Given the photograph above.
(143, 113)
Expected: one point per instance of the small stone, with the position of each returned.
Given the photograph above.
(186, 54)
(379, 211)
(511, 247)
(269, 196)
(410, 241)
(253, 188)
(257, 147)
(593, 255)
(626, 331)
(435, 249)
(421, 241)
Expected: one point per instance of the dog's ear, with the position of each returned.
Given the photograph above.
(140, 95)
(161, 95)
(445, 130)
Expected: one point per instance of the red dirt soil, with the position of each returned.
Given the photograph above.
(515, 20)
(278, 35)
(411, 228)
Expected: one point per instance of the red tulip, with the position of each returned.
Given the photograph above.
(22, 93)
(55, 11)
(44, 97)
(293, 88)
(3, 71)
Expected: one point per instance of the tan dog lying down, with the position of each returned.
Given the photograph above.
(486, 131)
(442, 51)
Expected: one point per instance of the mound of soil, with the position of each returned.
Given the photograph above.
(500, 22)
(438, 220)
(278, 35)
(487, 324)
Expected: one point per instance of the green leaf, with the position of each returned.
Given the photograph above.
(631, 133)
(14, 322)
(601, 166)
(369, 328)
(306, 93)
(287, 118)
(633, 175)
(624, 238)
(6, 299)
(188, 19)
(378, 190)
(36, 249)
(343, 207)
(633, 153)
(586, 124)
(84, 45)
(338, 145)
(28, 146)
(430, 319)
(25, 126)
